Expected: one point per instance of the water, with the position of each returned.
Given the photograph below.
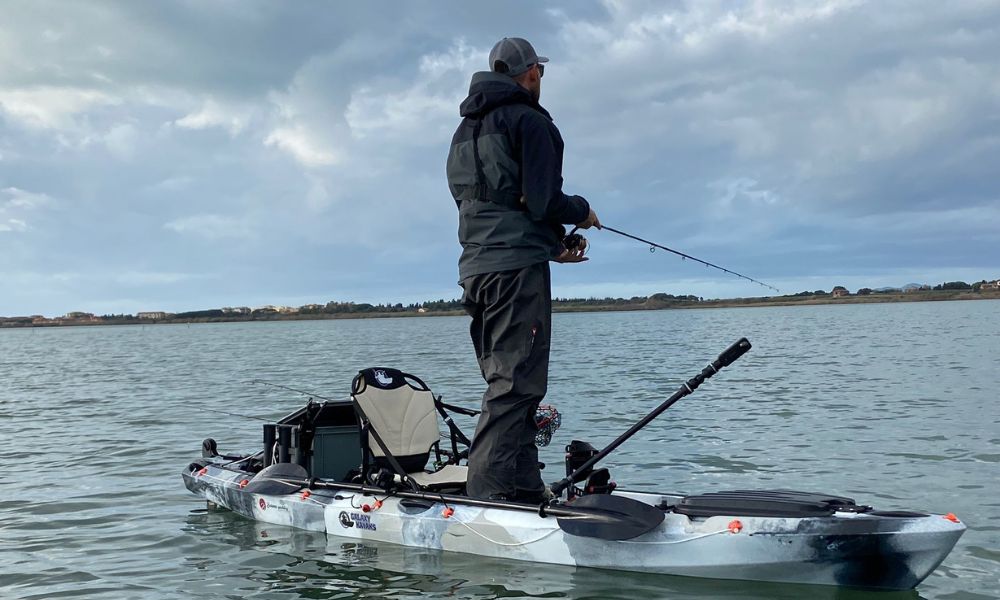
(893, 404)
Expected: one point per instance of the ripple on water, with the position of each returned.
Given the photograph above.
(718, 464)
(98, 422)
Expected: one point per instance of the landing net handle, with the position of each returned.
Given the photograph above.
(728, 357)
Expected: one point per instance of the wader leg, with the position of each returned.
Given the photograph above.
(511, 322)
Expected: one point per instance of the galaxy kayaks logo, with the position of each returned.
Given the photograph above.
(382, 378)
(263, 505)
(358, 520)
(345, 520)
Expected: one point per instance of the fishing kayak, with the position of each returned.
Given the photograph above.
(306, 477)
(840, 546)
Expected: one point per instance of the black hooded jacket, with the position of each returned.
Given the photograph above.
(510, 207)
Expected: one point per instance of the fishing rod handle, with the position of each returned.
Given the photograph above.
(732, 353)
(728, 357)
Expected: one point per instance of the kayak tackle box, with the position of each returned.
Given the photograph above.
(325, 439)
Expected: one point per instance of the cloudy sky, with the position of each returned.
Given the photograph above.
(191, 154)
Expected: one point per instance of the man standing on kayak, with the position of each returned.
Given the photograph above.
(505, 173)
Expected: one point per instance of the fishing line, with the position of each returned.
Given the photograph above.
(653, 246)
(222, 412)
(291, 389)
(263, 382)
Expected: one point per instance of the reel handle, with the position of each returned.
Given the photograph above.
(572, 240)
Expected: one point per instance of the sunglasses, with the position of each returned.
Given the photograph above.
(541, 70)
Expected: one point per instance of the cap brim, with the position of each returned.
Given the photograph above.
(542, 59)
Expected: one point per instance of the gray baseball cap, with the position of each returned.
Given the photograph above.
(513, 56)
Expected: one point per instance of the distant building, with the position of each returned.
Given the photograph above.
(839, 291)
(991, 285)
(286, 309)
(155, 315)
(79, 315)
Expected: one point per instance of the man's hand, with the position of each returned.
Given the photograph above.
(590, 221)
(574, 255)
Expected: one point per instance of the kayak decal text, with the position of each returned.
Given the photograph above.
(359, 520)
(264, 506)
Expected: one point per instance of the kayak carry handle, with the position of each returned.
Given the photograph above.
(732, 353)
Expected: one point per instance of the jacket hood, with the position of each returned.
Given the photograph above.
(490, 90)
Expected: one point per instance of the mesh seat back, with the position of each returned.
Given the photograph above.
(402, 415)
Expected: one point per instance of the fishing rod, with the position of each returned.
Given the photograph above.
(222, 412)
(291, 389)
(653, 246)
(263, 382)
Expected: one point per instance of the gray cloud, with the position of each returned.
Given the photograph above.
(216, 153)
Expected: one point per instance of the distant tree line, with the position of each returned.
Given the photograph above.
(953, 285)
(633, 301)
(332, 308)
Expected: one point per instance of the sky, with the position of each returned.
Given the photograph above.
(198, 154)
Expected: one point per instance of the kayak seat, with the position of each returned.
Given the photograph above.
(765, 503)
(447, 475)
(400, 430)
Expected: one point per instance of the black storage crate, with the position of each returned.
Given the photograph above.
(336, 450)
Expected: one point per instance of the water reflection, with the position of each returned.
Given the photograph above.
(308, 564)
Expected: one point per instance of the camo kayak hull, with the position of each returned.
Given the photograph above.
(875, 550)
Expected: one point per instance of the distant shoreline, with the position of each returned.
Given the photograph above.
(558, 307)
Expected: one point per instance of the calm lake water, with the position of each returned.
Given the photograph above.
(892, 404)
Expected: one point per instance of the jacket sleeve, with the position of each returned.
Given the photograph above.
(541, 176)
